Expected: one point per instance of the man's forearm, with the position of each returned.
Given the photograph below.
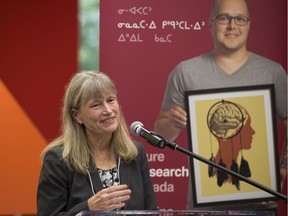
(163, 127)
(283, 158)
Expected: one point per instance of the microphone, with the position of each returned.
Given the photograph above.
(137, 129)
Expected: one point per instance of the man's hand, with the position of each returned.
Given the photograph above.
(178, 117)
(170, 123)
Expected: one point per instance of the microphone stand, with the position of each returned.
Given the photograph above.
(175, 146)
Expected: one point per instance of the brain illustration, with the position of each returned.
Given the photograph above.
(225, 120)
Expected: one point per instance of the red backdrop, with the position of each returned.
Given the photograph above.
(38, 52)
(142, 41)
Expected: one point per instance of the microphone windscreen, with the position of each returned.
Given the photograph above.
(134, 127)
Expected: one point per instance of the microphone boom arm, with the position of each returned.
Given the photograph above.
(137, 128)
(175, 146)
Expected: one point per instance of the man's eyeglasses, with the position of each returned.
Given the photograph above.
(225, 19)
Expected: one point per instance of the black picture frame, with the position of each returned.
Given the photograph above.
(236, 124)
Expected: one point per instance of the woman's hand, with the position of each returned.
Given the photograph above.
(110, 198)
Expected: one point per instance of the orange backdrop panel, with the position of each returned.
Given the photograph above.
(39, 49)
(21, 144)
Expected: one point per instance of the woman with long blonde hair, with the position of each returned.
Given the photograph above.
(93, 164)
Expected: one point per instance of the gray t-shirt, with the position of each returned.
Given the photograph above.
(203, 72)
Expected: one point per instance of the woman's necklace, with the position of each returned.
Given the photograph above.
(109, 177)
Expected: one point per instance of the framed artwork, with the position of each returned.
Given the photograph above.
(234, 128)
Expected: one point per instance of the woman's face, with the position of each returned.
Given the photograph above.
(99, 116)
